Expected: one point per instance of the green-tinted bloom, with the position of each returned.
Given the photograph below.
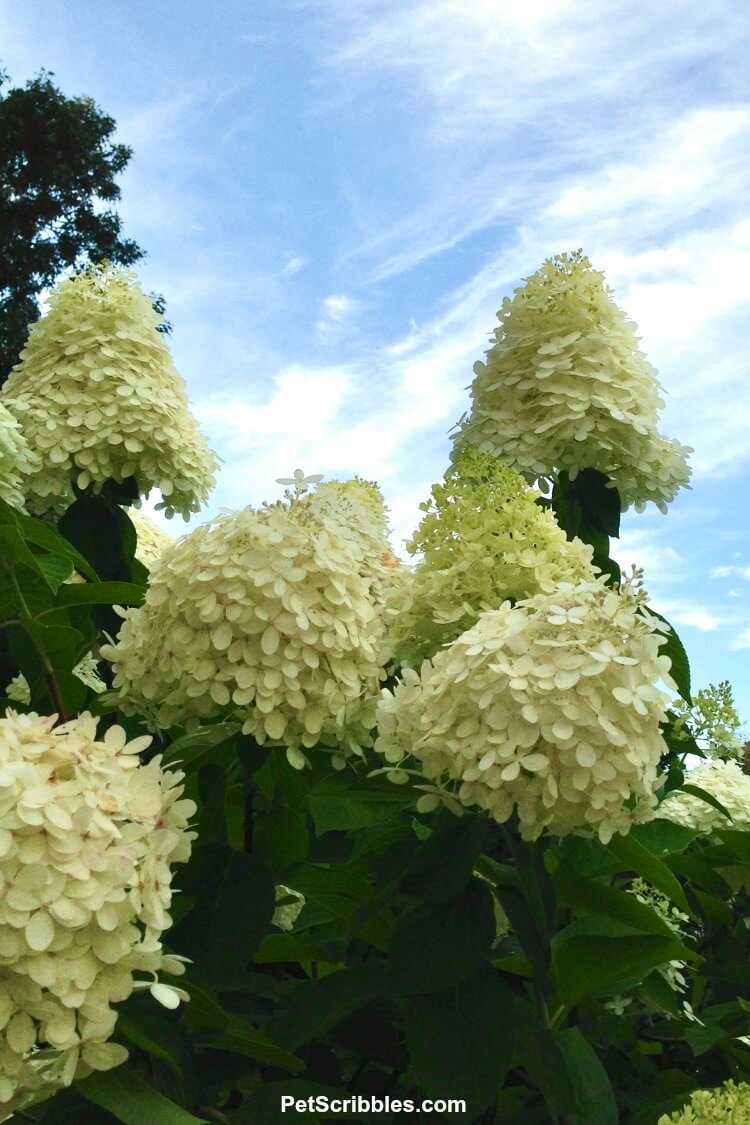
(98, 398)
(483, 539)
(726, 1105)
(549, 707)
(723, 780)
(16, 459)
(565, 386)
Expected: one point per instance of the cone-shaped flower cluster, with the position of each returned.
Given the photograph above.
(267, 613)
(98, 398)
(723, 780)
(565, 386)
(16, 459)
(549, 707)
(87, 838)
(483, 539)
(726, 1105)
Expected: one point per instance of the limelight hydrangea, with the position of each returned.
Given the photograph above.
(267, 613)
(16, 459)
(98, 398)
(723, 780)
(289, 906)
(548, 707)
(726, 1105)
(483, 539)
(87, 839)
(566, 387)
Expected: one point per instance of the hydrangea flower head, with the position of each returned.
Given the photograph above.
(266, 614)
(88, 835)
(483, 539)
(726, 1105)
(16, 459)
(723, 780)
(98, 398)
(549, 707)
(566, 387)
(152, 540)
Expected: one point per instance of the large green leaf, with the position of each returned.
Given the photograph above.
(650, 868)
(461, 1039)
(101, 593)
(587, 896)
(437, 945)
(590, 1080)
(342, 803)
(317, 1005)
(441, 866)
(675, 650)
(587, 965)
(235, 897)
(132, 1101)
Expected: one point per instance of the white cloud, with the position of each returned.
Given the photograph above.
(741, 641)
(294, 265)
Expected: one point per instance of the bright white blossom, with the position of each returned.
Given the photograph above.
(483, 539)
(726, 1105)
(566, 387)
(723, 780)
(98, 398)
(88, 835)
(549, 707)
(16, 459)
(269, 614)
(87, 671)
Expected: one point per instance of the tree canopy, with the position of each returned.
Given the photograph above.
(58, 169)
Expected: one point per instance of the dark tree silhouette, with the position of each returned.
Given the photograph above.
(58, 164)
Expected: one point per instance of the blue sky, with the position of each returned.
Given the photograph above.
(336, 194)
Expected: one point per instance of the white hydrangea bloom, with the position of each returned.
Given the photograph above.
(98, 398)
(16, 459)
(483, 539)
(268, 613)
(566, 387)
(87, 839)
(723, 780)
(548, 707)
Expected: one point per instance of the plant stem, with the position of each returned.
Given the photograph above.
(49, 673)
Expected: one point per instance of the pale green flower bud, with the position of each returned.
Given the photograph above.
(483, 539)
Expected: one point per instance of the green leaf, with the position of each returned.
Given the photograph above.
(151, 1034)
(263, 1106)
(282, 838)
(40, 533)
(132, 1101)
(739, 842)
(438, 945)
(317, 1005)
(675, 650)
(340, 803)
(189, 749)
(697, 791)
(649, 867)
(590, 1080)
(589, 897)
(662, 837)
(55, 568)
(458, 1043)
(587, 965)
(235, 901)
(101, 593)
(441, 866)
(241, 1039)
(59, 643)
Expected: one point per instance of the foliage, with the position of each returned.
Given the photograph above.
(58, 169)
(575, 977)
